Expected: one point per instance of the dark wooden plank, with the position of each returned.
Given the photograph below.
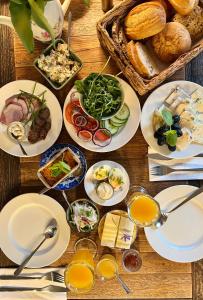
(9, 165)
(194, 72)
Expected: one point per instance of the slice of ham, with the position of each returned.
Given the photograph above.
(21, 102)
(12, 113)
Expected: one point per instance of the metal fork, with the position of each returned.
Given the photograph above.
(164, 170)
(51, 276)
(48, 288)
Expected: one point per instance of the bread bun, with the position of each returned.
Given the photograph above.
(145, 20)
(167, 6)
(193, 22)
(184, 7)
(173, 41)
(141, 60)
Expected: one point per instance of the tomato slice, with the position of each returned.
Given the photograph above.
(85, 135)
(92, 124)
(102, 137)
(69, 112)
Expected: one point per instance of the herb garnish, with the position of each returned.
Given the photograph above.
(59, 168)
(171, 135)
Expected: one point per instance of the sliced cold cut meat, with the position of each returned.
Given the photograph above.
(12, 113)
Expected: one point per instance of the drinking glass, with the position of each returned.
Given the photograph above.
(131, 260)
(79, 274)
(107, 267)
(142, 208)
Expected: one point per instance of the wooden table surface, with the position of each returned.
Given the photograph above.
(158, 277)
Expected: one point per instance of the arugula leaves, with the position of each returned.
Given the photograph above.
(101, 95)
(171, 135)
(60, 168)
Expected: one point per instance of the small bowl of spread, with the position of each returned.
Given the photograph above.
(58, 64)
(131, 260)
(18, 130)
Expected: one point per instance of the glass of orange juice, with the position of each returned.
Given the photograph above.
(107, 267)
(142, 208)
(79, 274)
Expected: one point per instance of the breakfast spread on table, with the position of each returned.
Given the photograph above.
(101, 113)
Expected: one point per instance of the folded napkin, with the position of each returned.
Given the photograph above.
(176, 164)
(30, 295)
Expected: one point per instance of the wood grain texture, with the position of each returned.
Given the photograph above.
(158, 278)
(9, 166)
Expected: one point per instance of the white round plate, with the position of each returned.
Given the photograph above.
(90, 185)
(122, 138)
(10, 146)
(180, 239)
(155, 100)
(24, 220)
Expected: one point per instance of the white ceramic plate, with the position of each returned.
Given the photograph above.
(154, 101)
(24, 220)
(90, 185)
(9, 145)
(180, 239)
(119, 140)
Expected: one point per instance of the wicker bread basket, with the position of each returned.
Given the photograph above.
(112, 38)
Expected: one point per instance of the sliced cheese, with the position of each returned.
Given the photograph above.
(110, 230)
(125, 233)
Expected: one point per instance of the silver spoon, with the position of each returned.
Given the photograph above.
(69, 29)
(66, 199)
(123, 284)
(19, 143)
(164, 215)
(49, 233)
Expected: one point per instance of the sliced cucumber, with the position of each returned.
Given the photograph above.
(113, 129)
(118, 125)
(117, 121)
(123, 113)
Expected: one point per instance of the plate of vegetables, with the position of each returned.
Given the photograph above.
(106, 183)
(102, 134)
(83, 216)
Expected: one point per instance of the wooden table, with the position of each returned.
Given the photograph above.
(158, 278)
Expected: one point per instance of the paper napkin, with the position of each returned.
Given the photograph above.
(30, 295)
(180, 164)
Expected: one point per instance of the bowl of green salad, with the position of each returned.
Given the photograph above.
(101, 95)
(83, 216)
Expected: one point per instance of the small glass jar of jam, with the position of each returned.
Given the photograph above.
(131, 260)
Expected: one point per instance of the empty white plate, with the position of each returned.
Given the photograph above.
(23, 220)
(180, 239)
(90, 184)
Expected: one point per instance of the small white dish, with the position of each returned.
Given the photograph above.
(180, 239)
(154, 101)
(90, 184)
(123, 137)
(9, 145)
(24, 220)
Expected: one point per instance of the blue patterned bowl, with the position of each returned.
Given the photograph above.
(72, 181)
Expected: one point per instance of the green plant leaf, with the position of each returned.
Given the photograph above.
(171, 137)
(39, 18)
(21, 20)
(167, 116)
(18, 1)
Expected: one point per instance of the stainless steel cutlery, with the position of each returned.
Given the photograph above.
(48, 288)
(165, 170)
(51, 276)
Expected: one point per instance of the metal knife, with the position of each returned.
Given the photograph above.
(161, 157)
(49, 288)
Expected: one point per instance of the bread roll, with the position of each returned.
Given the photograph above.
(167, 6)
(184, 7)
(193, 22)
(145, 20)
(141, 60)
(173, 41)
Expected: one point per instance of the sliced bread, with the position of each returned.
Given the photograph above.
(193, 22)
(141, 59)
